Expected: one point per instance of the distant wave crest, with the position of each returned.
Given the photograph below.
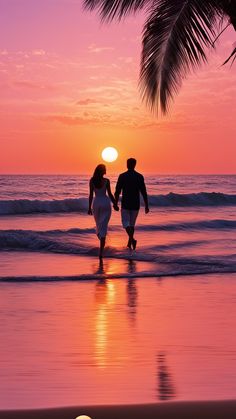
(192, 199)
(25, 206)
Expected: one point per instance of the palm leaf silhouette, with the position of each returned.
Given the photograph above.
(176, 35)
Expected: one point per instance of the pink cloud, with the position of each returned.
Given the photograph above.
(94, 49)
(71, 120)
(87, 101)
(39, 52)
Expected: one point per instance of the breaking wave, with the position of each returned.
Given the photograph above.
(26, 206)
(62, 240)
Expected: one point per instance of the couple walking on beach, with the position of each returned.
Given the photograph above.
(130, 184)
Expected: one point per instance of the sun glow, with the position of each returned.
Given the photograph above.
(109, 154)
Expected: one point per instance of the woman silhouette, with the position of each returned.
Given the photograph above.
(100, 206)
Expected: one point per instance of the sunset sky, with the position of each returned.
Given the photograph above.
(69, 87)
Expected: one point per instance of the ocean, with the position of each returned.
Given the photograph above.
(190, 228)
(151, 325)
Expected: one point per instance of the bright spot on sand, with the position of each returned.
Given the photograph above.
(109, 154)
(83, 417)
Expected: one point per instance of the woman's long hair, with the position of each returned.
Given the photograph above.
(98, 175)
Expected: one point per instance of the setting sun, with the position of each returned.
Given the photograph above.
(109, 154)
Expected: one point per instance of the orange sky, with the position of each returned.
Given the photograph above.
(69, 87)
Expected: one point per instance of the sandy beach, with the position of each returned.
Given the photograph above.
(183, 410)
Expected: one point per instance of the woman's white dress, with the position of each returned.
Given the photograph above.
(101, 210)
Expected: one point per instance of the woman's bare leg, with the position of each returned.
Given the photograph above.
(102, 245)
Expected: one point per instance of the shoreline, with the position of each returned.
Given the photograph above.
(166, 410)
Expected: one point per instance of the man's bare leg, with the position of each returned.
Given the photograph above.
(132, 241)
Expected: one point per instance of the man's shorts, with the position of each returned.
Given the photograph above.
(128, 217)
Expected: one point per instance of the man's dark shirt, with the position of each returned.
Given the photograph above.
(131, 183)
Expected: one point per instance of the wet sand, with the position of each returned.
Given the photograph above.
(183, 410)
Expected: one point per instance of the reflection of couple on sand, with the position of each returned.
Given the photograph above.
(130, 184)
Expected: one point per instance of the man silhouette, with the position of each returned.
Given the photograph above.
(131, 184)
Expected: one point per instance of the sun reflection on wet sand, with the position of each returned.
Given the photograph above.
(101, 337)
(104, 296)
(101, 324)
(109, 267)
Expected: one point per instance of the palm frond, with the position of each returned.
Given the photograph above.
(233, 56)
(220, 33)
(111, 9)
(228, 7)
(174, 40)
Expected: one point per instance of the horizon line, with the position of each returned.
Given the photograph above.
(115, 173)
